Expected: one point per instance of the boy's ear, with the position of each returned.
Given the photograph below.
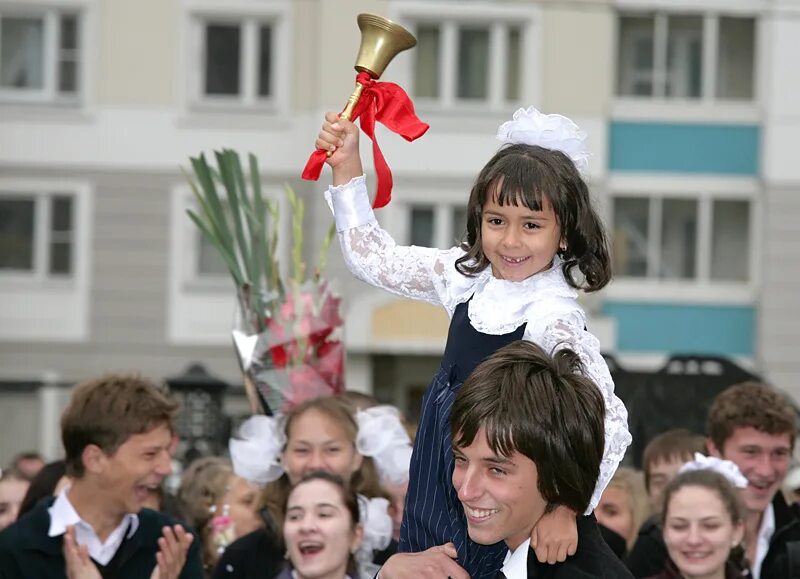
(93, 458)
(712, 449)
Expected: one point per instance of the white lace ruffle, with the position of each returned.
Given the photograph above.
(568, 332)
(382, 437)
(256, 453)
(545, 302)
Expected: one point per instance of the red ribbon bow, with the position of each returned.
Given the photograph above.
(388, 104)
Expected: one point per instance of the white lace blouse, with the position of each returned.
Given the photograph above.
(545, 302)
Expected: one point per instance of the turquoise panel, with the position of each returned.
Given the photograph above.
(681, 328)
(684, 148)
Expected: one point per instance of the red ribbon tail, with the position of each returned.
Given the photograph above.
(313, 168)
(385, 180)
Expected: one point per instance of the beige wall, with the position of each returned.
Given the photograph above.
(340, 32)
(137, 51)
(577, 46)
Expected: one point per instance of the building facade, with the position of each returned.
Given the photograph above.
(691, 111)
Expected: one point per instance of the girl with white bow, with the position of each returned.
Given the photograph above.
(533, 239)
(322, 434)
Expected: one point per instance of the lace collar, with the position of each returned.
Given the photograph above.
(500, 306)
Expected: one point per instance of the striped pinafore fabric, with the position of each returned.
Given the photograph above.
(433, 515)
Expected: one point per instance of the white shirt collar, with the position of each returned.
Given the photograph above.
(516, 564)
(63, 514)
(765, 532)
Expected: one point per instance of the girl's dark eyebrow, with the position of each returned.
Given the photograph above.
(538, 215)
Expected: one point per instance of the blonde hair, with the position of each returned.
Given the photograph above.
(203, 485)
(631, 482)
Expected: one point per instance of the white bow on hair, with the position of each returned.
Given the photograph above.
(726, 468)
(382, 437)
(378, 527)
(555, 132)
(256, 453)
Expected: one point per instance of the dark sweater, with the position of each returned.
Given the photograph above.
(593, 559)
(27, 552)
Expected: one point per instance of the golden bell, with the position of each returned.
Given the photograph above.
(381, 41)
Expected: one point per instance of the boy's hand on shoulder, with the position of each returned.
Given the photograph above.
(340, 138)
(435, 563)
(555, 536)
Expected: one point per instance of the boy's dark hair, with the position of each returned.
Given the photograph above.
(528, 174)
(749, 404)
(542, 407)
(109, 410)
(676, 443)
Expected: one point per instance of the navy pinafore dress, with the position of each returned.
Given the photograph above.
(433, 514)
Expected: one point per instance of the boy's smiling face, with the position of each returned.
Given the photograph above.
(500, 494)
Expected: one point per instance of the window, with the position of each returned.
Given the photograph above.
(40, 56)
(37, 234)
(440, 226)
(237, 57)
(686, 56)
(467, 62)
(682, 238)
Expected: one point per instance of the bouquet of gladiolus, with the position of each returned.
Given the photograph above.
(287, 333)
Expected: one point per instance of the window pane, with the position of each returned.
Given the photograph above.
(67, 76)
(631, 233)
(513, 64)
(730, 241)
(16, 234)
(265, 62)
(68, 56)
(61, 214)
(473, 63)
(736, 58)
(635, 58)
(459, 224)
(421, 226)
(69, 32)
(684, 56)
(22, 52)
(60, 258)
(222, 59)
(426, 64)
(678, 238)
(209, 261)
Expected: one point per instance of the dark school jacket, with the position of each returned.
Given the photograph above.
(26, 552)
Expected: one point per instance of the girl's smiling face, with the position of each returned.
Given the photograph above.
(518, 242)
(699, 532)
(319, 530)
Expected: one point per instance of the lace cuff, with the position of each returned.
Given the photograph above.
(350, 204)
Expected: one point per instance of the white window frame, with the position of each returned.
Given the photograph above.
(701, 288)
(251, 15)
(42, 233)
(51, 11)
(38, 306)
(449, 16)
(201, 307)
(708, 107)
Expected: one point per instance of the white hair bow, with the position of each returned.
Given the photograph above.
(726, 468)
(255, 454)
(382, 437)
(556, 132)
